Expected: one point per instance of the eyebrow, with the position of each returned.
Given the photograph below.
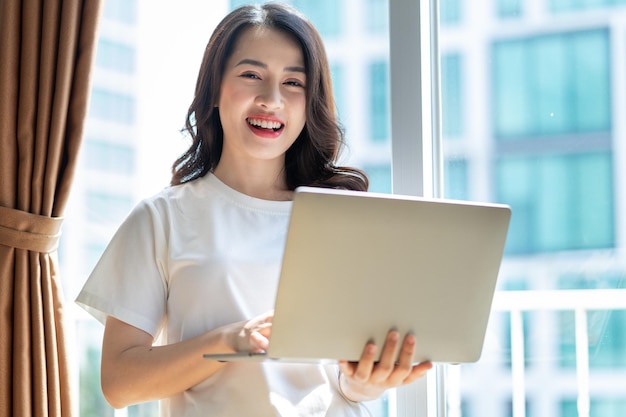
(254, 62)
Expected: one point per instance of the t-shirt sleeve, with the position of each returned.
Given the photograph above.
(128, 282)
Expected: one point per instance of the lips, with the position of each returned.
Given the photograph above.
(263, 124)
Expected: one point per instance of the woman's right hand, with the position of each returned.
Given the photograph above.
(252, 335)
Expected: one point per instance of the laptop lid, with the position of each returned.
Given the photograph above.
(358, 264)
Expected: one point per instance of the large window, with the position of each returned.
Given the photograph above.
(535, 97)
(532, 115)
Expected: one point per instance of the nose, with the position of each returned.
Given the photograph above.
(270, 97)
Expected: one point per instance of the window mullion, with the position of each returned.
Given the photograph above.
(415, 98)
(415, 145)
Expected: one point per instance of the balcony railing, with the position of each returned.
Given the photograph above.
(516, 303)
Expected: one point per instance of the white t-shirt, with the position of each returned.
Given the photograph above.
(198, 256)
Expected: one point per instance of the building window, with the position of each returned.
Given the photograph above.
(336, 71)
(377, 16)
(450, 12)
(111, 106)
(599, 407)
(456, 179)
(552, 84)
(238, 3)
(379, 101)
(107, 208)
(109, 157)
(561, 202)
(115, 56)
(324, 14)
(379, 177)
(569, 5)
(451, 95)
(124, 11)
(509, 8)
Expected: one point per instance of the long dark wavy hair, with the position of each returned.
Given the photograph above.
(312, 159)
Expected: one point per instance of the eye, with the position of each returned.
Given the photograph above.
(294, 83)
(250, 75)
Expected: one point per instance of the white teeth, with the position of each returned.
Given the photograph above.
(265, 124)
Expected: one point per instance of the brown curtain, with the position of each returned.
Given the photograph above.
(46, 54)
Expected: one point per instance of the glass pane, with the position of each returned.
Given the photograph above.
(509, 8)
(326, 15)
(104, 156)
(547, 131)
(112, 106)
(123, 11)
(116, 56)
(452, 95)
(567, 5)
(450, 11)
(92, 402)
(144, 77)
(379, 100)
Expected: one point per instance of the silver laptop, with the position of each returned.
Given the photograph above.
(359, 264)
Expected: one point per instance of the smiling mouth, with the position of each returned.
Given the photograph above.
(265, 124)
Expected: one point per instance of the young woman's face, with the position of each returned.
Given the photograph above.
(262, 102)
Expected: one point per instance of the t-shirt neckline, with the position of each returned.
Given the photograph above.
(245, 200)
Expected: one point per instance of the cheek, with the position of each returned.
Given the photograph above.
(230, 104)
(298, 106)
(230, 95)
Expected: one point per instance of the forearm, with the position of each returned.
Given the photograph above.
(141, 372)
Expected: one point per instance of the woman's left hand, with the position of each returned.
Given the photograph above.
(367, 379)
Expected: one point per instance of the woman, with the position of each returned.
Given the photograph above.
(194, 269)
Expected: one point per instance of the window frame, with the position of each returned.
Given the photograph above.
(417, 162)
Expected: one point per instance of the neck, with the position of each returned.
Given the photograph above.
(259, 182)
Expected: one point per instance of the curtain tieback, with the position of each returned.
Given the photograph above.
(23, 230)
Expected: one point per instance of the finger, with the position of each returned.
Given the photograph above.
(264, 328)
(366, 362)
(417, 372)
(347, 368)
(260, 322)
(258, 341)
(387, 362)
(405, 358)
(404, 365)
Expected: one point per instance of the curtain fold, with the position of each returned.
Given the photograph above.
(46, 54)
